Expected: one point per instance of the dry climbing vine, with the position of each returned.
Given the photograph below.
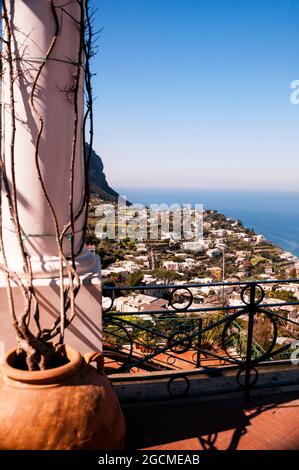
(37, 348)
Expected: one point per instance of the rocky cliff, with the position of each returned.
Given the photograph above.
(98, 181)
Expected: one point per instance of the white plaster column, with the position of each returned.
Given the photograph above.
(33, 28)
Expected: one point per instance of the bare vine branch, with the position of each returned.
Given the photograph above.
(36, 347)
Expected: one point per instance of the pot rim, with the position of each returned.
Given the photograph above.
(42, 376)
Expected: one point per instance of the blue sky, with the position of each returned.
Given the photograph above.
(196, 93)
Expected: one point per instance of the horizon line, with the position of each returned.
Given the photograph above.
(119, 189)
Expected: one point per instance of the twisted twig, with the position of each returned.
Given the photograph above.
(34, 346)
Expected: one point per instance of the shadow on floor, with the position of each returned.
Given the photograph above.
(154, 424)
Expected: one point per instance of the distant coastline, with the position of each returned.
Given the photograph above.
(272, 214)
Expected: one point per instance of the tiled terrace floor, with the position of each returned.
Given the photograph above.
(269, 422)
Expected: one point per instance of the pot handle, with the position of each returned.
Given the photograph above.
(98, 358)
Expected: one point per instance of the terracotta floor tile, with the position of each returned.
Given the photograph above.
(267, 423)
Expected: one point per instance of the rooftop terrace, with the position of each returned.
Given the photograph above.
(206, 378)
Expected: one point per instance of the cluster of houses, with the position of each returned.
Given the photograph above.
(186, 255)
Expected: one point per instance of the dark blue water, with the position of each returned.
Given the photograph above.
(273, 214)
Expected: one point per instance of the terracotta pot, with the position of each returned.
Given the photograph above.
(70, 407)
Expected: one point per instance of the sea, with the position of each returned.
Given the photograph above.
(272, 214)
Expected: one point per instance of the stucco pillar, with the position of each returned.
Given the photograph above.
(33, 29)
(48, 104)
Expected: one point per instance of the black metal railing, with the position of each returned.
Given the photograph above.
(178, 336)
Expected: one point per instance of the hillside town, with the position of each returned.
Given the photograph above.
(224, 251)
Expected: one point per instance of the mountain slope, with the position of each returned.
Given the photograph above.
(97, 179)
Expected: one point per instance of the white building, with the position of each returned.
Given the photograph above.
(194, 246)
(170, 265)
(138, 303)
(259, 239)
(214, 252)
(141, 247)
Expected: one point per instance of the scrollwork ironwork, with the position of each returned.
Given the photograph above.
(202, 339)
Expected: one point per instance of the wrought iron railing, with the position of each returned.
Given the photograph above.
(180, 336)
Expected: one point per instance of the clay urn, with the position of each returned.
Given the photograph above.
(70, 407)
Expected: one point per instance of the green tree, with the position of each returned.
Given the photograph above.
(282, 275)
(164, 275)
(293, 273)
(135, 279)
(282, 294)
